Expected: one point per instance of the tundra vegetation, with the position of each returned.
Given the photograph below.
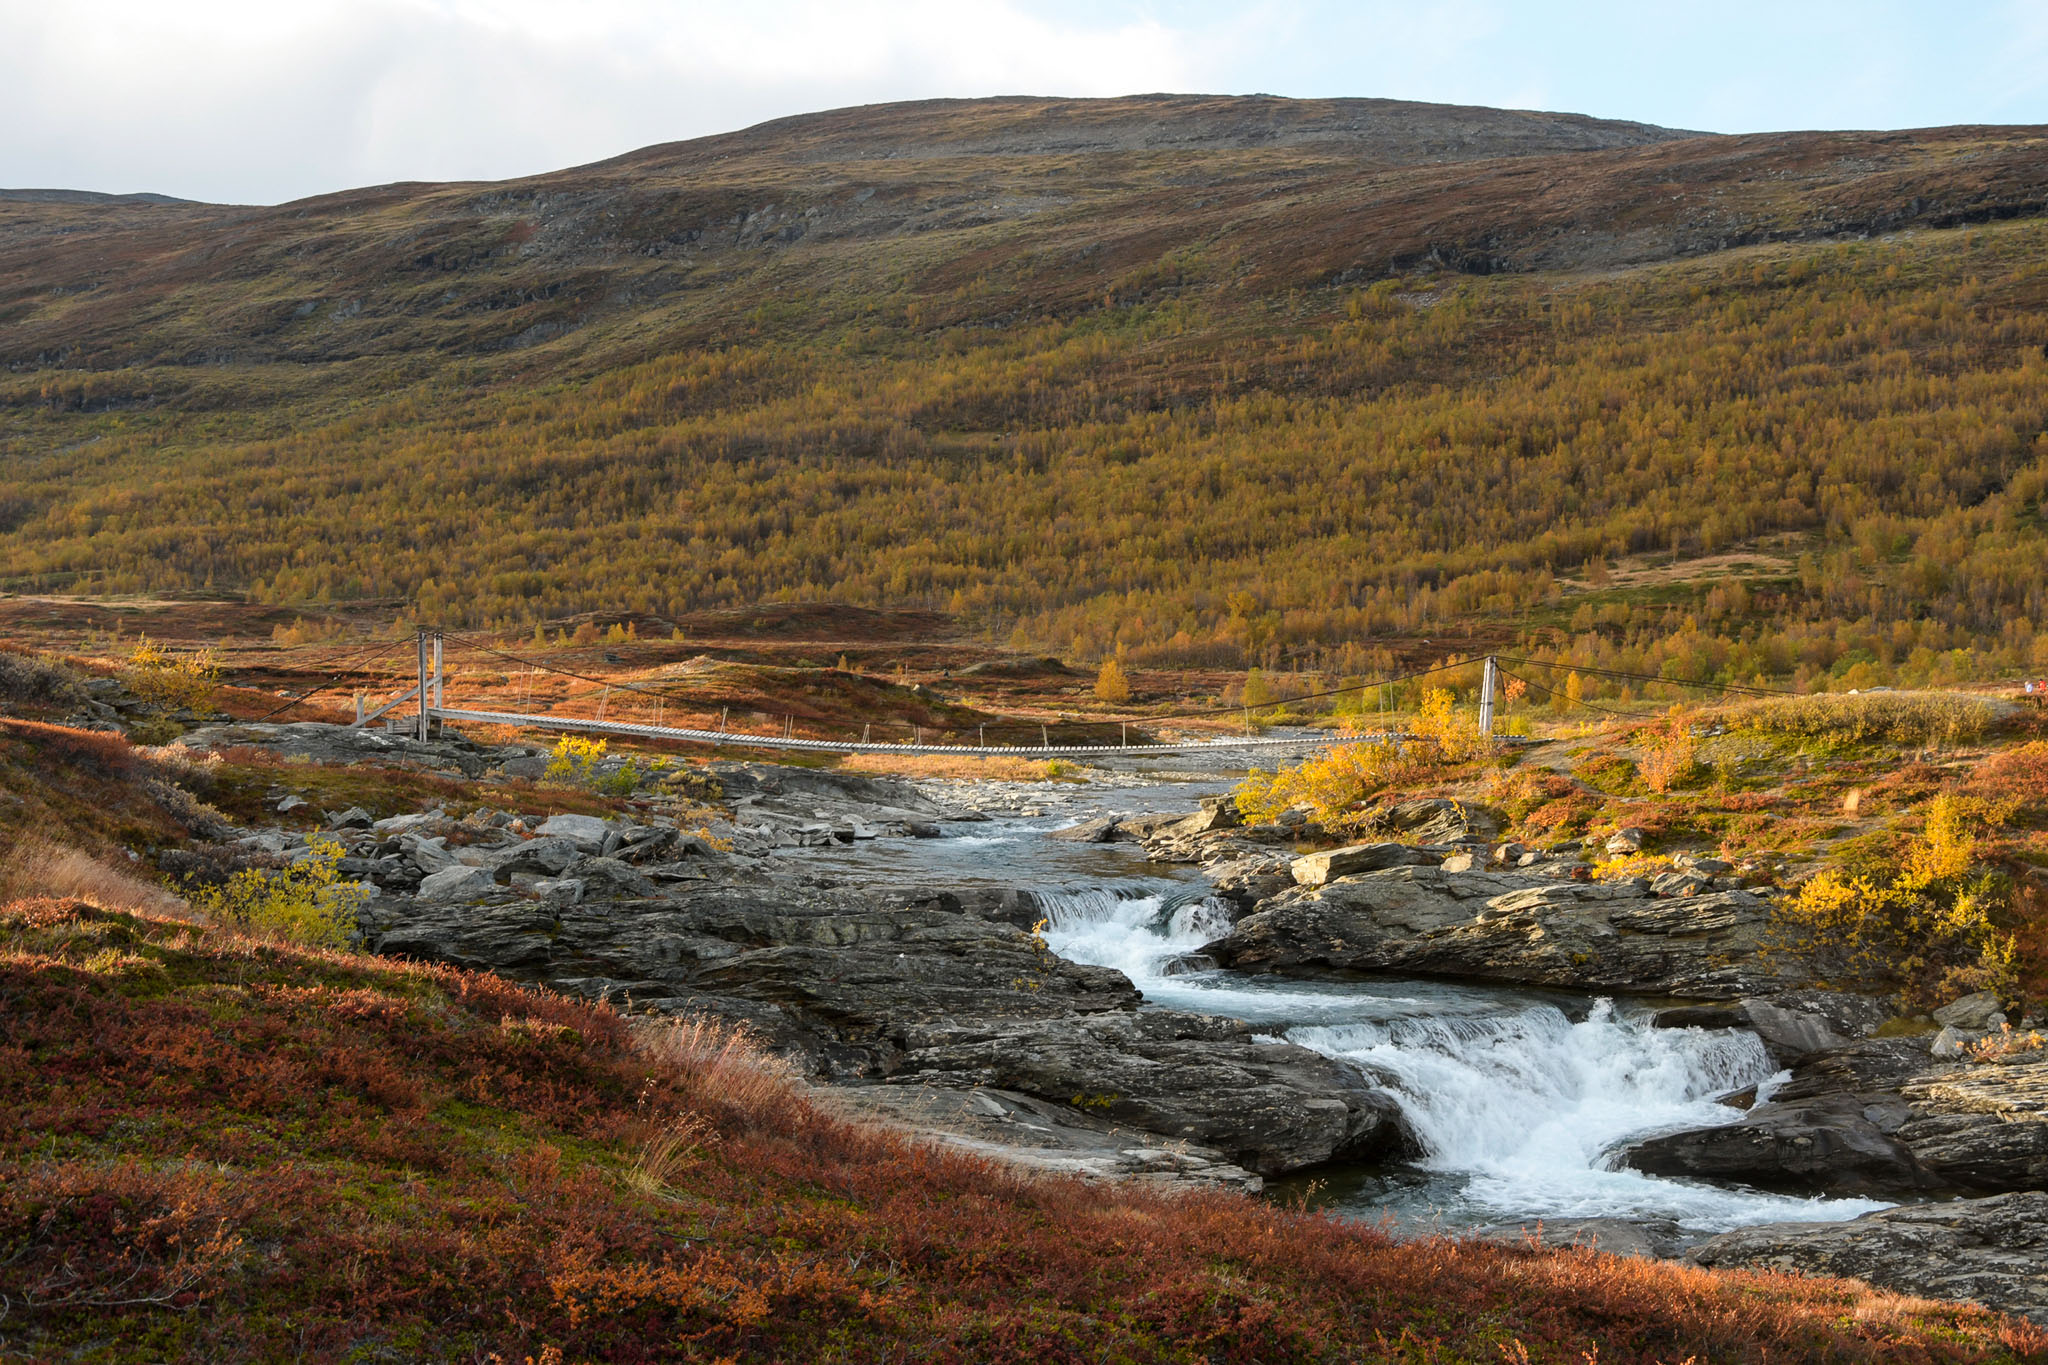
(234, 1148)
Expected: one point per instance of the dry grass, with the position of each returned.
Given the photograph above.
(1896, 717)
(38, 867)
(946, 766)
(232, 1150)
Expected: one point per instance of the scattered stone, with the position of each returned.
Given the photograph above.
(292, 803)
(1316, 869)
(355, 817)
(1625, 841)
(1103, 831)
(1685, 882)
(587, 832)
(1979, 1013)
(457, 883)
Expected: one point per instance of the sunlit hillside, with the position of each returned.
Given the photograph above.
(1212, 380)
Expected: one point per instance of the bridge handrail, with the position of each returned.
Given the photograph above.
(742, 740)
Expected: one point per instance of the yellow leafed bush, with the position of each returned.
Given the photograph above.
(304, 903)
(171, 681)
(1335, 783)
(1925, 921)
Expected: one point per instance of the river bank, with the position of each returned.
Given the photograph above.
(930, 953)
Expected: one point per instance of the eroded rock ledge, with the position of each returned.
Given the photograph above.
(1512, 927)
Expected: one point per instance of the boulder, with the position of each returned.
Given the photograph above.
(1270, 1107)
(1624, 841)
(1246, 881)
(1216, 813)
(1880, 1116)
(1433, 820)
(1512, 926)
(1795, 1024)
(587, 832)
(355, 817)
(1988, 1251)
(456, 883)
(1832, 1128)
(549, 857)
(1102, 831)
(1684, 882)
(1316, 869)
(1979, 1013)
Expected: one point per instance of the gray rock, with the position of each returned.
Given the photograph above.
(544, 857)
(1316, 869)
(1434, 820)
(1247, 881)
(292, 803)
(1460, 862)
(1102, 831)
(1795, 1024)
(1268, 1107)
(457, 883)
(1685, 882)
(400, 824)
(587, 832)
(1979, 1013)
(610, 877)
(1624, 841)
(355, 817)
(1988, 1251)
(1982, 1126)
(1948, 1044)
(1608, 936)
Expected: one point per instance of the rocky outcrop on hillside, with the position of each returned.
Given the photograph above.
(1512, 926)
(1990, 1251)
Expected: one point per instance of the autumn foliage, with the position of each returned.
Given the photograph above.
(215, 1148)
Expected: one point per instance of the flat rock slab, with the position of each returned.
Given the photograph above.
(1039, 1135)
(1598, 936)
(1317, 869)
(1989, 1251)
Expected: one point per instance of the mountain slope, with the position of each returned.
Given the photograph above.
(1210, 378)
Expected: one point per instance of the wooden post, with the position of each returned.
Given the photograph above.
(437, 670)
(1127, 734)
(420, 726)
(1486, 700)
(1044, 738)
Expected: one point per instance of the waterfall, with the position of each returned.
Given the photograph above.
(1529, 1106)
(1518, 1106)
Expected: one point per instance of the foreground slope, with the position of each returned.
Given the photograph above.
(216, 1148)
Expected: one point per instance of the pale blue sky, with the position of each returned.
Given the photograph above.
(265, 100)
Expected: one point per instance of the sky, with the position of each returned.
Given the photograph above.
(262, 101)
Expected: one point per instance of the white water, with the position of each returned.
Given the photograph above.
(1517, 1105)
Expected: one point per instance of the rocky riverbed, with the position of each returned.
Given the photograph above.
(1096, 979)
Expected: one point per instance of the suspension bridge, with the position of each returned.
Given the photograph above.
(428, 708)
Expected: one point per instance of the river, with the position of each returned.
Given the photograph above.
(1519, 1097)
